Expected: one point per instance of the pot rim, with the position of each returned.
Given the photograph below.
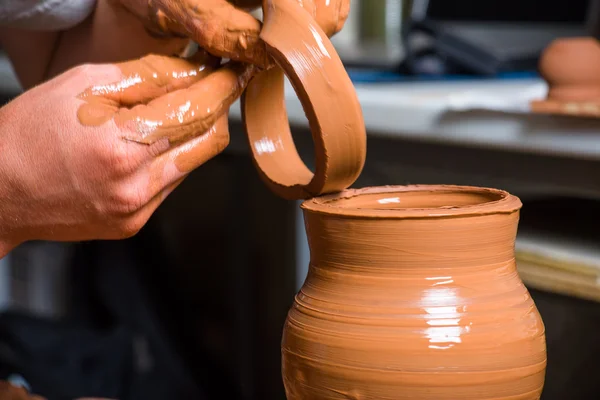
(504, 203)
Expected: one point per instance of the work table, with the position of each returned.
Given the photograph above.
(489, 114)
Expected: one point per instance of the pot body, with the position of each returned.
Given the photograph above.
(424, 307)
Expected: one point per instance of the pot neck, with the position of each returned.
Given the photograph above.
(380, 246)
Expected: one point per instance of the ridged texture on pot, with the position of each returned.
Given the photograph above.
(413, 293)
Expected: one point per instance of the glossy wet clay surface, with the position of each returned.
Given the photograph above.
(303, 53)
(163, 98)
(422, 302)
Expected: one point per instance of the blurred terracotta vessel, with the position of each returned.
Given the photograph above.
(571, 68)
(413, 293)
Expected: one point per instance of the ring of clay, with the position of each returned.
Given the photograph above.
(304, 53)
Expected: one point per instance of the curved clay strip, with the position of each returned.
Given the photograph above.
(304, 52)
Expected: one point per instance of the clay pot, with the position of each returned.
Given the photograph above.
(571, 66)
(413, 293)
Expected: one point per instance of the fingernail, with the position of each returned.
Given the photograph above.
(243, 42)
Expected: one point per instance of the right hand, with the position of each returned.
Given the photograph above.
(227, 30)
(61, 180)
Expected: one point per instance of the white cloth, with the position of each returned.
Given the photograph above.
(44, 15)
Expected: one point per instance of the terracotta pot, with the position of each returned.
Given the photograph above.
(413, 293)
(571, 67)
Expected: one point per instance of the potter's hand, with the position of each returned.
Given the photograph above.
(81, 162)
(331, 15)
(227, 30)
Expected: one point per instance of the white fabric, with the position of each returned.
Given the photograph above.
(44, 15)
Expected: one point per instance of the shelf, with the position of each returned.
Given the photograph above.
(558, 247)
(490, 114)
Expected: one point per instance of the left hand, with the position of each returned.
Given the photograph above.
(224, 28)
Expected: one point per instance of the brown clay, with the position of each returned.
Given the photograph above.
(215, 25)
(571, 67)
(162, 97)
(303, 52)
(174, 99)
(225, 30)
(188, 156)
(413, 293)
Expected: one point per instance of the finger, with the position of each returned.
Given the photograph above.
(343, 13)
(190, 155)
(331, 15)
(186, 113)
(136, 221)
(142, 80)
(179, 161)
(218, 27)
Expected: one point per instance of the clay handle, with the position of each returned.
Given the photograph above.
(304, 53)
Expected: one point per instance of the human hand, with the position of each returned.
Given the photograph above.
(146, 125)
(223, 28)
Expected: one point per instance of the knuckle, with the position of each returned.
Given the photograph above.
(121, 159)
(125, 200)
(84, 72)
(130, 227)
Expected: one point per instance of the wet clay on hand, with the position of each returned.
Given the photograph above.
(413, 293)
(303, 53)
(177, 100)
(571, 68)
(227, 30)
(161, 98)
(216, 25)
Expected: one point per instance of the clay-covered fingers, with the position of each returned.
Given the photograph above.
(331, 15)
(187, 113)
(162, 175)
(141, 81)
(216, 25)
(179, 161)
(190, 155)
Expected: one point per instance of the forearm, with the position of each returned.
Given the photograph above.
(112, 34)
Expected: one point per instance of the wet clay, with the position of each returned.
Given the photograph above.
(304, 53)
(216, 25)
(169, 98)
(162, 98)
(413, 293)
(227, 31)
(571, 67)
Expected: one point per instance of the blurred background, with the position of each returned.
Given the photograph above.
(194, 305)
